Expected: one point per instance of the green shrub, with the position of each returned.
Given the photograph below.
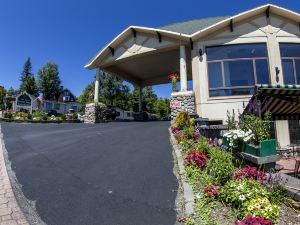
(74, 116)
(8, 115)
(193, 174)
(261, 128)
(29, 116)
(183, 120)
(261, 207)
(237, 192)
(187, 145)
(63, 117)
(37, 114)
(203, 146)
(44, 117)
(189, 131)
(220, 165)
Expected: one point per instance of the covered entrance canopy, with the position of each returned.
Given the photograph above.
(283, 101)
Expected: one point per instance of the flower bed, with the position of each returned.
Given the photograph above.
(224, 193)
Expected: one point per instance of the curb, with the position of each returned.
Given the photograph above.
(26, 206)
(188, 194)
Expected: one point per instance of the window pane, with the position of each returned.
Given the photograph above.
(215, 75)
(239, 73)
(236, 51)
(262, 71)
(290, 50)
(241, 91)
(297, 65)
(288, 71)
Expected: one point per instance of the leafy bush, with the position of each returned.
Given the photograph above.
(29, 116)
(74, 116)
(261, 128)
(44, 117)
(189, 132)
(251, 220)
(220, 165)
(203, 146)
(37, 114)
(63, 117)
(187, 145)
(237, 192)
(8, 115)
(261, 207)
(193, 174)
(183, 120)
(250, 173)
(196, 158)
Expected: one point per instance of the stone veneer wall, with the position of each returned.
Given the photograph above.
(94, 113)
(187, 101)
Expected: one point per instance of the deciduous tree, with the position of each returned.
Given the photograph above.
(49, 82)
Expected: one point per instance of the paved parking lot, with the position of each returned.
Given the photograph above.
(110, 174)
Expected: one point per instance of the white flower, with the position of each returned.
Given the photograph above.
(235, 137)
(242, 197)
(198, 195)
(230, 144)
(240, 187)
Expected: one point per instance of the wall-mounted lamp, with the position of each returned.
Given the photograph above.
(200, 52)
(277, 70)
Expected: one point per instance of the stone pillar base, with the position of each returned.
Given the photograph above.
(94, 113)
(182, 102)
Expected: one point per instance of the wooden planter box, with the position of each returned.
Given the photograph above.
(265, 148)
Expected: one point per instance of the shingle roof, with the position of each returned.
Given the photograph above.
(192, 26)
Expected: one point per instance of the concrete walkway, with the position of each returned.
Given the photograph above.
(10, 213)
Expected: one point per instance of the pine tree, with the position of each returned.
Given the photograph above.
(27, 71)
(27, 79)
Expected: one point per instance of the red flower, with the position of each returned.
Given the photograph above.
(196, 158)
(250, 173)
(252, 220)
(212, 190)
(172, 76)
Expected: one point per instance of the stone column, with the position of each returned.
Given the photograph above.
(96, 93)
(183, 73)
(140, 98)
(95, 112)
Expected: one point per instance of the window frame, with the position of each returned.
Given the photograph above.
(294, 67)
(235, 59)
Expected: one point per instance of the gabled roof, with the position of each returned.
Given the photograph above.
(193, 29)
(192, 26)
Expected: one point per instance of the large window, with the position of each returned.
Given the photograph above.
(290, 56)
(235, 69)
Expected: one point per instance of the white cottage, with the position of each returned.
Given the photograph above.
(225, 57)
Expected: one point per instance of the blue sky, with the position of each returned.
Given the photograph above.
(70, 32)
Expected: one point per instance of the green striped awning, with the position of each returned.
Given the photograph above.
(283, 101)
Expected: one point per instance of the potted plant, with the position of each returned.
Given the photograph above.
(253, 136)
(174, 77)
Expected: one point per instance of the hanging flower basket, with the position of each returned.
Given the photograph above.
(174, 78)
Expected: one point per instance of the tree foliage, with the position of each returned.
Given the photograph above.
(2, 97)
(27, 79)
(49, 82)
(113, 91)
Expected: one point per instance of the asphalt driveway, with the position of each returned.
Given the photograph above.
(111, 174)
